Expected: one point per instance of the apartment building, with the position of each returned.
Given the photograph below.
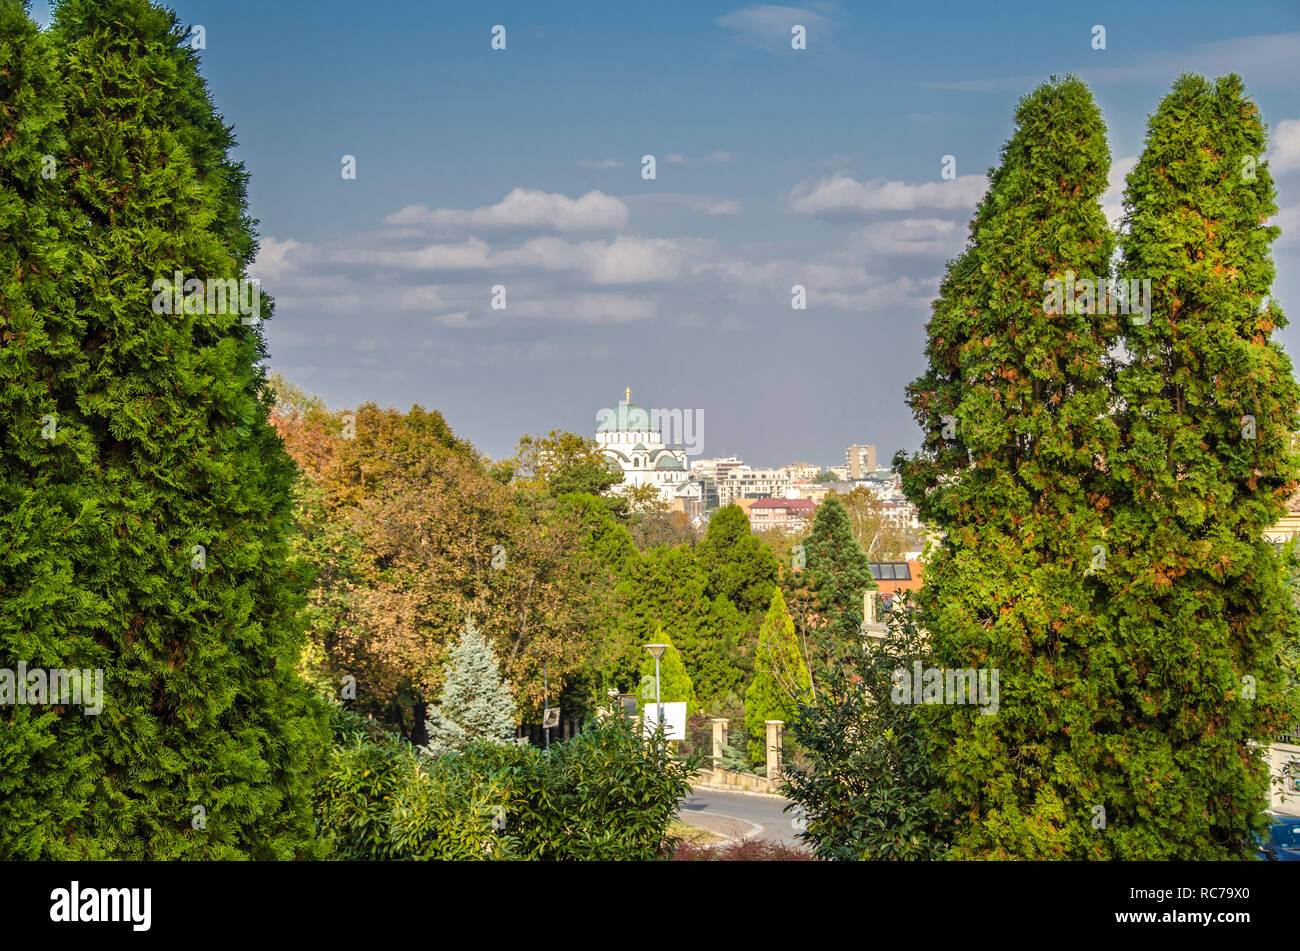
(860, 460)
(744, 482)
(801, 471)
(787, 515)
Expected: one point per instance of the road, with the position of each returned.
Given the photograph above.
(735, 814)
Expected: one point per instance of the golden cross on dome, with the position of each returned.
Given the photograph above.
(628, 394)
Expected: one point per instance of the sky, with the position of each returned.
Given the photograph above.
(522, 168)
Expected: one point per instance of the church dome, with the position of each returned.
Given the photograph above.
(624, 417)
(640, 447)
(669, 462)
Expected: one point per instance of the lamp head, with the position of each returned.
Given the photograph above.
(657, 650)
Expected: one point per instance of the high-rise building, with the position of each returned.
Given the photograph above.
(861, 460)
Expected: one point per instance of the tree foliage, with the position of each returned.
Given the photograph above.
(1197, 600)
(170, 492)
(476, 703)
(870, 789)
(674, 683)
(781, 678)
(1015, 408)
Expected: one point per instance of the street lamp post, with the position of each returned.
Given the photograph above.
(657, 651)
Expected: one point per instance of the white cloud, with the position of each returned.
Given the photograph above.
(602, 163)
(932, 236)
(661, 203)
(675, 158)
(523, 208)
(421, 298)
(721, 207)
(273, 259)
(1284, 151)
(625, 260)
(468, 255)
(768, 26)
(1288, 219)
(716, 158)
(841, 193)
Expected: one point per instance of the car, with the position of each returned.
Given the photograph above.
(1283, 844)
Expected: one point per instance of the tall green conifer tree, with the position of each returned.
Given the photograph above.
(176, 559)
(1198, 599)
(1015, 408)
(781, 679)
(47, 516)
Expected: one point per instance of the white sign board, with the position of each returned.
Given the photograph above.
(674, 719)
(551, 718)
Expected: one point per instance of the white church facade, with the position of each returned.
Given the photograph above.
(630, 438)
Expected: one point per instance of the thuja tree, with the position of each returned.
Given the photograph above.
(1014, 406)
(1199, 604)
(176, 559)
(781, 678)
(47, 511)
(839, 574)
(674, 684)
(737, 564)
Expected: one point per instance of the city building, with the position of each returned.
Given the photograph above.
(716, 468)
(801, 471)
(860, 461)
(743, 482)
(625, 436)
(787, 515)
(895, 576)
(1289, 525)
(817, 491)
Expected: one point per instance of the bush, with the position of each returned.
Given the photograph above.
(606, 794)
(870, 790)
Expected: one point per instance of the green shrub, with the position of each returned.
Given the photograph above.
(606, 794)
(870, 790)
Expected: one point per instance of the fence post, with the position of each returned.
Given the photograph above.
(719, 739)
(773, 749)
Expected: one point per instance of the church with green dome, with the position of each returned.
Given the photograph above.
(630, 438)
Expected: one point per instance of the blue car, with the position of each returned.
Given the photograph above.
(1283, 843)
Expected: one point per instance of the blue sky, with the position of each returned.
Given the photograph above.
(522, 168)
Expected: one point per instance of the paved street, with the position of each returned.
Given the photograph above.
(735, 814)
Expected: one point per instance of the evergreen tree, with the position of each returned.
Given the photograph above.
(1198, 601)
(476, 702)
(675, 683)
(665, 589)
(177, 557)
(1015, 406)
(839, 573)
(736, 564)
(781, 678)
(48, 518)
